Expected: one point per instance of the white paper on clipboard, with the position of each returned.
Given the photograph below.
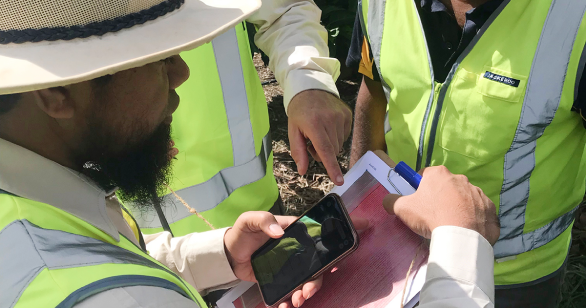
(365, 176)
(372, 164)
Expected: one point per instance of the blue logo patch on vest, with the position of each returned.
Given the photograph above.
(502, 79)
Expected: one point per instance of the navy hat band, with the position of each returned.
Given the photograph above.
(91, 29)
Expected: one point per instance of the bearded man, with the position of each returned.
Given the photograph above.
(87, 92)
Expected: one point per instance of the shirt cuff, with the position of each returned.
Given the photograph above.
(301, 79)
(211, 263)
(461, 254)
(199, 258)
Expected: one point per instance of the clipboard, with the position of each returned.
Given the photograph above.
(369, 180)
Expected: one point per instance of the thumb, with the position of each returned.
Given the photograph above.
(265, 222)
(391, 202)
(271, 227)
(406, 211)
(285, 221)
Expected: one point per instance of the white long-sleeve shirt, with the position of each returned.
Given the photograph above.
(460, 270)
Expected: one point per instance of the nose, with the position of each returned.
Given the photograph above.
(177, 71)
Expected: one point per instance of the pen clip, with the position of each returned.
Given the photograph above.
(392, 170)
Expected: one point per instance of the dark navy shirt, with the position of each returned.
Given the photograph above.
(446, 40)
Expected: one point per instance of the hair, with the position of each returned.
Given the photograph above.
(8, 101)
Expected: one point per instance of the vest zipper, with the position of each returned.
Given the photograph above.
(421, 151)
(441, 89)
(429, 126)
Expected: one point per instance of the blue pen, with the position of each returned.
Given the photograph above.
(412, 177)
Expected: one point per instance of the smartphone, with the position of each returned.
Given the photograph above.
(318, 239)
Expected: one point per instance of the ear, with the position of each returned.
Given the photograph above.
(55, 102)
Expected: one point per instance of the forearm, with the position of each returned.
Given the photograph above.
(369, 132)
(290, 33)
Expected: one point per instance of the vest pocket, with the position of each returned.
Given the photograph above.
(480, 114)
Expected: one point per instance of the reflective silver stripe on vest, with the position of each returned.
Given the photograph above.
(360, 13)
(376, 23)
(429, 102)
(542, 99)
(114, 282)
(207, 195)
(231, 75)
(387, 125)
(26, 249)
(579, 74)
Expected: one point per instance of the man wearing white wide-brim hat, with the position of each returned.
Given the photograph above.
(86, 96)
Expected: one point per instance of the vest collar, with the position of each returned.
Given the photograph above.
(31, 176)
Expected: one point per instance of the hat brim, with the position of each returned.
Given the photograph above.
(33, 66)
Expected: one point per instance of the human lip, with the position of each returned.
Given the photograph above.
(173, 101)
(173, 104)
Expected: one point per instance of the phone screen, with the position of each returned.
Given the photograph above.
(311, 243)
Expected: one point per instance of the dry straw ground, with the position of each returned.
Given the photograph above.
(299, 192)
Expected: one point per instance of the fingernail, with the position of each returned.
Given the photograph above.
(276, 229)
(340, 179)
(311, 293)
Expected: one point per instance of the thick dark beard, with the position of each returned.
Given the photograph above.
(140, 169)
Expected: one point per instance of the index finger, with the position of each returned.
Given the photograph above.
(327, 154)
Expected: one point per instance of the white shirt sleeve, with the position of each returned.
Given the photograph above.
(460, 271)
(199, 258)
(290, 33)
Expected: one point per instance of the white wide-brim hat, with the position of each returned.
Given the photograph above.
(59, 42)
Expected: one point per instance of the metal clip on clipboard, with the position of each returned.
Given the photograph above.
(408, 174)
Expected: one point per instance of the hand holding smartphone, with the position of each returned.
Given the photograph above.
(321, 237)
